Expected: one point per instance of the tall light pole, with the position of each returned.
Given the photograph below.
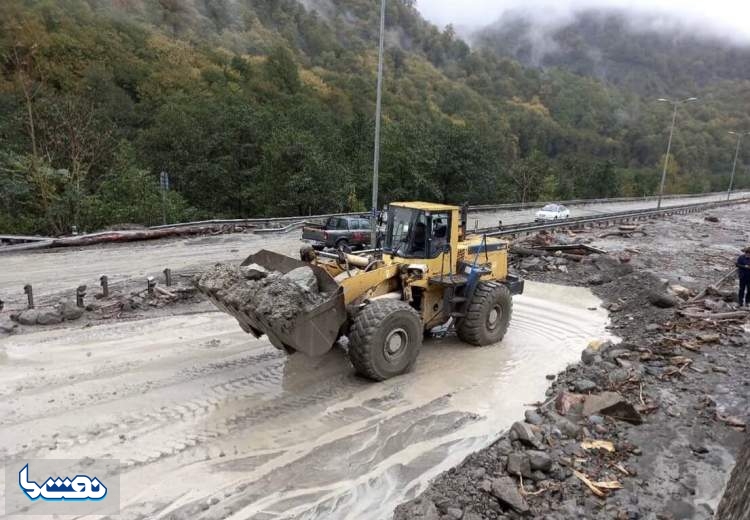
(736, 155)
(378, 103)
(669, 143)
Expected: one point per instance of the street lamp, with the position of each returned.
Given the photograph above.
(378, 103)
(736, 155)
(669, 143)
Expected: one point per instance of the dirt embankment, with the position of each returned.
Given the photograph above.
(647, 428)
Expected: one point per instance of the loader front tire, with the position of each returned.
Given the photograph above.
(488, 315)
(384, 339)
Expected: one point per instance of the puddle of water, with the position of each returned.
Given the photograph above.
(412, 428)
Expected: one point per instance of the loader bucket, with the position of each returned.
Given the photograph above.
(313, 332)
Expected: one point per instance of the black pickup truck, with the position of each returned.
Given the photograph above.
(339, 232)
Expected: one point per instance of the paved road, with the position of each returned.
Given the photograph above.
(487, 219)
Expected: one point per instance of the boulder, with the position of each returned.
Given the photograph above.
(619, 353)
(589, 356)
(598, 279)
(680, 291)
(305, 278)
(518, 464)
(566, 427)
(49, 317)
(69, 310)
(420, 509)
(565, 401)
(253, 271)
(618, 376)
(611, 404)
(27, 317)
(533, 417)
(531, 263)
(539, 460)
(506, 491)
(595, 348)
(525, 433)
(662, 300)
(584, 385)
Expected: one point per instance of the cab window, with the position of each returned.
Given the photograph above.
(439, 233)
(407, 233)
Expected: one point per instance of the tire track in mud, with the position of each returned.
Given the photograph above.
(189, 421)
(198, 397)
(143, 428)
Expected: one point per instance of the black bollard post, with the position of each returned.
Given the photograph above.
(104, 281)
(150, 284)
(80, 295)
(168, 276)
(29, 294)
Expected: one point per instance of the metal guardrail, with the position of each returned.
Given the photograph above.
(286, 224)
(585, 202)
(271, 224)
(514, 230)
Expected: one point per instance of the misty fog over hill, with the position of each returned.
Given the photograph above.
(644, 52)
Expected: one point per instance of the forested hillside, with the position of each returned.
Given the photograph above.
(265, 107)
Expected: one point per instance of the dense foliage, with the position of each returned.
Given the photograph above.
(265, 107)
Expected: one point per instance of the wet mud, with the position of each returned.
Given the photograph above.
(210, 423)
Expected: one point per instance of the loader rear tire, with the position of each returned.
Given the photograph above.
(385, 339)
(488, 315)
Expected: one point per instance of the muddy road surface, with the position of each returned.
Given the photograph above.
(210, 423)
(53, 271)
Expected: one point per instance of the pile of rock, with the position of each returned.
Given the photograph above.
(63, 311)
(275, 297)
(551, 262)
(589, 450)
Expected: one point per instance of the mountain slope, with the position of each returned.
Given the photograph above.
(265, 107)
(640, 52)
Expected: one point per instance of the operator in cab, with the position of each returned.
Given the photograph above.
(419, 246)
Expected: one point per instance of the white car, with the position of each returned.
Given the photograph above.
(552, 212)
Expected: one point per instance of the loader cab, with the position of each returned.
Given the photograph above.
(420, 231)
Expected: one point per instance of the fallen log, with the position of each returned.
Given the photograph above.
(165, 293)
(625, 233)
(525, 251)
(132, 236)
(716, 316)
(576, 249)
(713, 286)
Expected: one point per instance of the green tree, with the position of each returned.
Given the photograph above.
(282, 71)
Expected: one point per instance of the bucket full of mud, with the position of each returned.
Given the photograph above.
(297, 305)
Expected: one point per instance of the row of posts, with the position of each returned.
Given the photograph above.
(103, 282)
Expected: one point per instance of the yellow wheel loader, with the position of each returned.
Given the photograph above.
(430, 272)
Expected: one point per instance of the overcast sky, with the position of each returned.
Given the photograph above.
(729, 18)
